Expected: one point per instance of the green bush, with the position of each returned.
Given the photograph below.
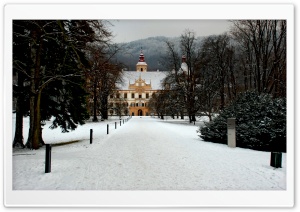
(260, 123)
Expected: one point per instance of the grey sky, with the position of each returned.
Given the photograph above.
(129, 30)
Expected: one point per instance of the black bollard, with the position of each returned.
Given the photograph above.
(91, 136)
(48, 159)
(276, 159)
(120, 123)
(123, 121)
(107, 129)
(115, 125)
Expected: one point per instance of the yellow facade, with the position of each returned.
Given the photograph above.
(133, 98)
(136, 98)
(142, 92)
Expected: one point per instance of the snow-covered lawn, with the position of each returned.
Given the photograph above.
(144, 153)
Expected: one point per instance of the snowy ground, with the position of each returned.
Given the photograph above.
(143, 154)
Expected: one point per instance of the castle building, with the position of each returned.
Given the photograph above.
(133, 94)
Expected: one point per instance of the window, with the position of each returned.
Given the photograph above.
(118, 95)
(111, 96)
(140, 96)
(147, 95)
(143, 105)
(137, 104)
(125, 95)
(132, 95)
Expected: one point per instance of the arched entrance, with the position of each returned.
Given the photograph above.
(140, 112)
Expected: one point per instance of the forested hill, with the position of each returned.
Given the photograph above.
(154, 49)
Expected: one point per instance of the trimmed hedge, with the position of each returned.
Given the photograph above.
(260, 123)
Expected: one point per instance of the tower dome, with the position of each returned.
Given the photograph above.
(142, 58)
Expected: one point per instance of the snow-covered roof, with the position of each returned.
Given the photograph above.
(141, 63)
(155, 78)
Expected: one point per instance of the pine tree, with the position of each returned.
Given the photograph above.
(54, 67)
(20, 90)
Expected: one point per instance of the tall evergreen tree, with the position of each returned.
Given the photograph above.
(21, 57)
(55, 66)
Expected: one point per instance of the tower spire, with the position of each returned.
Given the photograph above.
(142, 58)
(141, 66)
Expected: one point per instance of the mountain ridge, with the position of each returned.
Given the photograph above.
(154, 50)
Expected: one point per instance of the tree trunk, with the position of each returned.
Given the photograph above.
(193, 117)
(209, 116)
(31, 122)
(34, 139)
(222, 91)
(18, 140)
(95, 119)
(104, 110)
(181, 115)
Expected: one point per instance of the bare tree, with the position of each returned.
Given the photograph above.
(219, 69)
(101, 57)
(185, 78)
(264, 42)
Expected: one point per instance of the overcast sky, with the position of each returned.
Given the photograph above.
(129, 30)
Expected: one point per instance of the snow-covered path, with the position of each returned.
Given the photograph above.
(148, 154)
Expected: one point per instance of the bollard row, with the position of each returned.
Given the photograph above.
(49, 147)
(123, 120)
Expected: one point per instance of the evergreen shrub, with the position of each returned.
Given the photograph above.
(260, 123)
